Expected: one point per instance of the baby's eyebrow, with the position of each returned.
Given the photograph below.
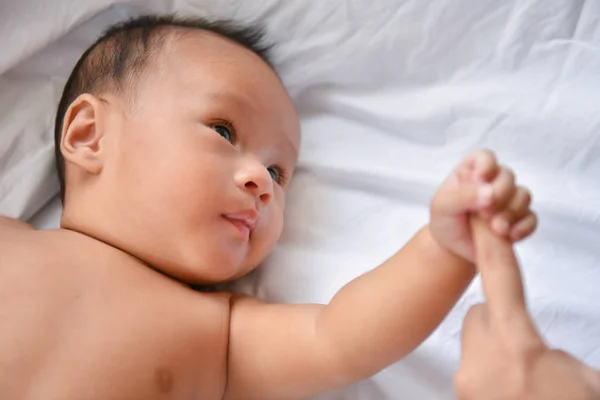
(230, 97)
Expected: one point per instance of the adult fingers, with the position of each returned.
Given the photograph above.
(500, 274)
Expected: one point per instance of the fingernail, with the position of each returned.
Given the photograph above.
(484, 195)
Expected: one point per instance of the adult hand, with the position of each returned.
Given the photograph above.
(503, 355)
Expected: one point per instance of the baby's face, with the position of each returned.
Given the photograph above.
(202, 163)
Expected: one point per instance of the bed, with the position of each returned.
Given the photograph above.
(391, 95)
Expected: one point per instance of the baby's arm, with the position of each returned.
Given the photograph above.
(281, 351)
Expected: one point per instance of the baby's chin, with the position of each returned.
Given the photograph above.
(242, 270)
(213, 269)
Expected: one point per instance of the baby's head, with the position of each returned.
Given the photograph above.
(175, 142)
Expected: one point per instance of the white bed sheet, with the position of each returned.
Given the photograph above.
(391, 95)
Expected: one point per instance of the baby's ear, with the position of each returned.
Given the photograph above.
(82, 133)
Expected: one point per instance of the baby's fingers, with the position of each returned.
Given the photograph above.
(516, 209)
(504, 188)
(524, 227)
(481, 165)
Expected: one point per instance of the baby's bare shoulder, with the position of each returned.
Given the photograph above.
(77, 284)
(17, 242)
(20, 242)
(8, 224)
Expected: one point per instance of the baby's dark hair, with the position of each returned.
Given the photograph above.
(117, 60)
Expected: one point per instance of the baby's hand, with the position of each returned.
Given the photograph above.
(479, 185)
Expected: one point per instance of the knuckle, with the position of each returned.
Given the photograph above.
(526, 194)
(482, 159)
(488, 159)
(528, 222)
(509, 174)
(534, 221)
(487, 154)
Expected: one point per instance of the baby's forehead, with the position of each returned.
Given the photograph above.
(181, 52)
(214, 66)
(198, 47)
(207, 67)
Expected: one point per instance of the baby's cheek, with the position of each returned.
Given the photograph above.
(271, 232)
(274, 228)
(280, 213)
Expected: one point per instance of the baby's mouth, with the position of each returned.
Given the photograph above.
(246, 221)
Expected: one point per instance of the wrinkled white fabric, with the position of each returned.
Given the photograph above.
(391, 94)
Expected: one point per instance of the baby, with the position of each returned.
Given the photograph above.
(175, 144)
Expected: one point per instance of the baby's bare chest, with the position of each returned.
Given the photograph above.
(90, 329)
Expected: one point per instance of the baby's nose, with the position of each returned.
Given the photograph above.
(255, 178)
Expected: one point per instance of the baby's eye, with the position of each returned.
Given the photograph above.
(224, 131)
(276, 174)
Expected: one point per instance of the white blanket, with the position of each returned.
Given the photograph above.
(392, 93)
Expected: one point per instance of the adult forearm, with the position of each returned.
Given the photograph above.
(381, 316)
